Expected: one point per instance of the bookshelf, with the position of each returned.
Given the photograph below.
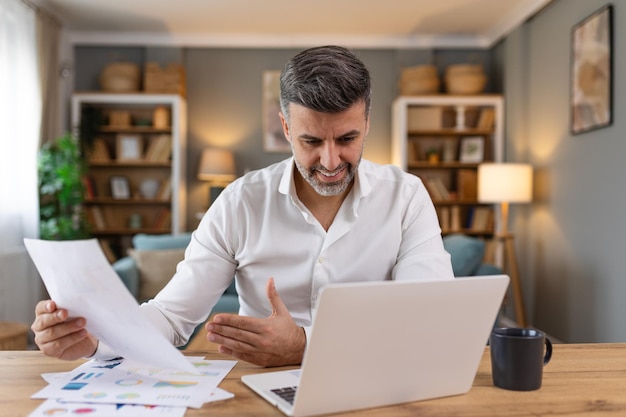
(135, 179)
(442, 139)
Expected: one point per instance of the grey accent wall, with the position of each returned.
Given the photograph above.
(570, 241)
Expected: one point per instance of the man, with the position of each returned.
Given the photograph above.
(322, 216)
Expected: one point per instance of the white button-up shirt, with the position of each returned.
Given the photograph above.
(386, 229)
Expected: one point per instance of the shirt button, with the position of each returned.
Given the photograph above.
(320, 260)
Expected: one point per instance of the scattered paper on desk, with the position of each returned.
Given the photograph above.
(54, 407)
(79, 278)
(127, 382)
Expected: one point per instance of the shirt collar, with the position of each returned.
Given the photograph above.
(360, 189)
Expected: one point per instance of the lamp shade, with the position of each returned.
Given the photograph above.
(505, 183)
(216, 165)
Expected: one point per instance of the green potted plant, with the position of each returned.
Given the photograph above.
(60, 169)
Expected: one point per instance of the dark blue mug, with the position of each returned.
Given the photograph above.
(518, 357)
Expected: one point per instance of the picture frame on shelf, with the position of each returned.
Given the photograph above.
(129, 147)
(273, 137)
(120, 188)
(472, 149)
(591, 88)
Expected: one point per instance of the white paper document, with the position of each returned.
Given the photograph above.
(79, 278)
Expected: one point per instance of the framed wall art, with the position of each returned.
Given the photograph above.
(120, 189)
(273, 136)
(472, 149)
(592, 72)
(129, 147)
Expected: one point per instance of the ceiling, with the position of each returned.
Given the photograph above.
(288, 23)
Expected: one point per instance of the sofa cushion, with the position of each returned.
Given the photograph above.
(144, 241)
(465, 252)
(156, 268)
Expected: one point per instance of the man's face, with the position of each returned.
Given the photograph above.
(327, 147)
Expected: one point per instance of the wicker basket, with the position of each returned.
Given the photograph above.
(421, 79)
(120, 77)
(170, 79)
(465, 79)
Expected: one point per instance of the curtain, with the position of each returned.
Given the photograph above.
(48, 41)
(20, 121)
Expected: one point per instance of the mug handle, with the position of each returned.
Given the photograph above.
(548, 354)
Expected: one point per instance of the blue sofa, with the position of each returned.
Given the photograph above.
(148, 250)
(467, 254)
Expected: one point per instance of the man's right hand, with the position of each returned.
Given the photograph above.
(59, 337)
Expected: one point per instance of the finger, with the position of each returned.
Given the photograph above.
(45, 306)
(278, 307)
(218, 333)
(222, 321)
(235, 343)
(46, 320)
(49, 333)
(57, 347)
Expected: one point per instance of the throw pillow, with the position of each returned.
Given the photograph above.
(144, 241)
(156, 268)
(465, 252)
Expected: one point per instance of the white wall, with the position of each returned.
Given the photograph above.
(571, 240)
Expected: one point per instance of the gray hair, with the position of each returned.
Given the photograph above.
(327, 79)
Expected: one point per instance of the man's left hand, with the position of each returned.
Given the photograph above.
(273, 341)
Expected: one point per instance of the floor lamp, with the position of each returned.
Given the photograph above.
(218, 167)
(505, 183)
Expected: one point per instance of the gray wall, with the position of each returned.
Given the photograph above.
(570, 240)
(224, 97)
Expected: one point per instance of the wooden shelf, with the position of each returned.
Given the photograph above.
(122, 231)
(450, 132)
(440, 165)
(126, 202)
(445, 126)
(127, 164)
(133, 129)
(154, 165)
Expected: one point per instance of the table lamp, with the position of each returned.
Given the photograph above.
(505, 183)
(218, 167)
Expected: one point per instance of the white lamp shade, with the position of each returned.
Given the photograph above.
(216, 165)
(505, 182)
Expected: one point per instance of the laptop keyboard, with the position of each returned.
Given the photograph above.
(287, 394)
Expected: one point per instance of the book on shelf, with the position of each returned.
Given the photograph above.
(487, 118)
(481, 219)
(160, 149)
(165, 190)
(432, 190)
(467, 184)
(90, 187)
(163, 219)
(438, 188)
(99, 151)
(455, 218)
(98, 218)
(444, 218)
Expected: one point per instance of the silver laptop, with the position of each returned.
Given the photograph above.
(381, 343)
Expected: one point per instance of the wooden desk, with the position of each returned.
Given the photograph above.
(584, 379)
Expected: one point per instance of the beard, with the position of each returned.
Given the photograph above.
(327, 189)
